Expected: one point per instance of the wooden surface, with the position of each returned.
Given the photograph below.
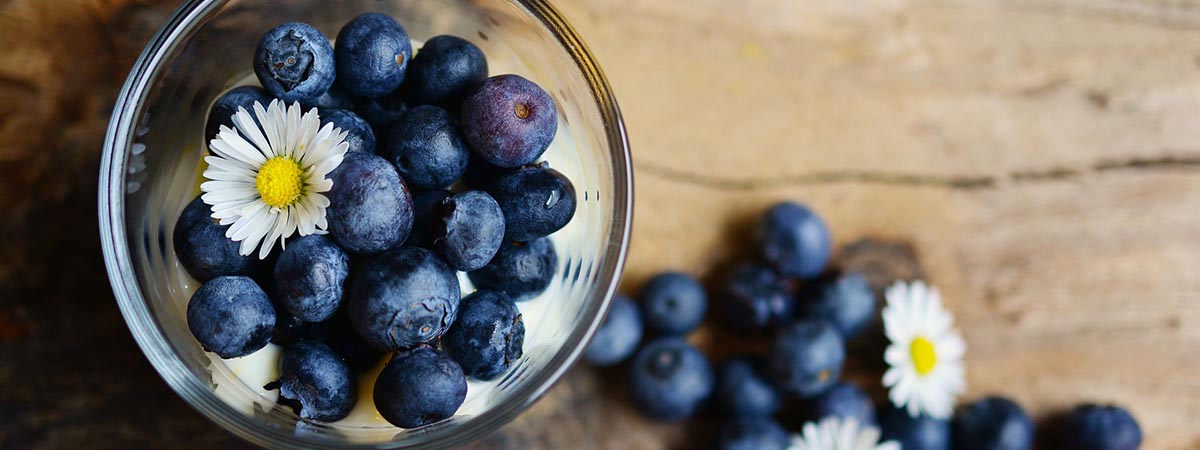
(1036, 159)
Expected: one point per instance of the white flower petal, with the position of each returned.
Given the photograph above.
(915, 310)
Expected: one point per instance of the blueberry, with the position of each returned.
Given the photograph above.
(334, 98)
(341, 336)
(442, 73)
(743, 390)
(915, 433)
(419, 387)
(426, 148)
(670, 380)
(309, 277)
(370, 208)
(315, 382)
(752, 433)
(471, 230)
(289, 329)
(520, 269)
(202, 248)
(756, 299)
(488, 336)
(795, 240)
(806, 357)
(227, 105)
(993, 423)
(231, 316)
(846, 301)
(360, 136)
(619, 335)
(426, 206)
(403, 298)
(1096, 427)
(509, 121)
(673, 303)
(381, 113)
(843, 400)
(372, 53)
(294, 62)
(536, 201)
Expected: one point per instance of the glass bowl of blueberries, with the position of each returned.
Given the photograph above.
(364, 224)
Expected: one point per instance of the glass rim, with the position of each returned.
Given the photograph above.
(152, 341)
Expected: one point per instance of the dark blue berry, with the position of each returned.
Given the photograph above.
(315, 382)
(470, 231)
(294, 62)
(309, 277)
(509, 121)
(341, 336)
(381, 113)
(444, 71)
(752, 433)
(231, 316)
(536, 201)
(426, 210)
(370, 208)
(403, 298)
(846, 301)
(202, 248)
(372, 54)
(843, 400)
(227, 105)
(914, 433)
(359, 135)
(1097, 427)
(335, 98)
(619, 335)
(426, 148)
(419, 387)
(795, 240)
(670, 380)
(520, 269)
(806, 357)
(673, 303)
(744, 390)
(993, 423)
(757, 299)
(488, 336)
(289, 329)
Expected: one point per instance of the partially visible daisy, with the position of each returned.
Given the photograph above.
(925, 371)
(836, 433)
(268, 182)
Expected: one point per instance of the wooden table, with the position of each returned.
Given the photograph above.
(1038, 160)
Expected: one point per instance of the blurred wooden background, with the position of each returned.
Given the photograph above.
(1039, 160)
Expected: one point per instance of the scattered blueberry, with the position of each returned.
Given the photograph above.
(289, 329)
(673, 303)
(309, 277)
(1097, 427)
(370, 208)
(536, 201)
(471, 230)
(372, 53)
(670, 380)
(426, 205)
(846, 301)
(381, 113)
(509, 120)
(335, 98)
(806, 357)
(231, 316)
(419, 387)
(752, 433)
(795, 240)
(403, 298)
(426, 148)
(294, 62)
(520, 269)
(619, 335)
(914, 433)
(993, 423)
(315, 382)
(743, 390)
(360, 137)
(227, 105)
(202, 248)
(444, 71)
(756, 299)
(488, 336)
(341, 336)
(843, 400)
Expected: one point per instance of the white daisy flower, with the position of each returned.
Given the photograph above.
(267, 182)
(835, 433)
(925, 371)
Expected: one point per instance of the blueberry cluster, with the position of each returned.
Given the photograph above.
(806, 313)
(403, 221)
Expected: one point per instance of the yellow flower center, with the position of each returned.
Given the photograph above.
(923, 355)
(279, 181)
